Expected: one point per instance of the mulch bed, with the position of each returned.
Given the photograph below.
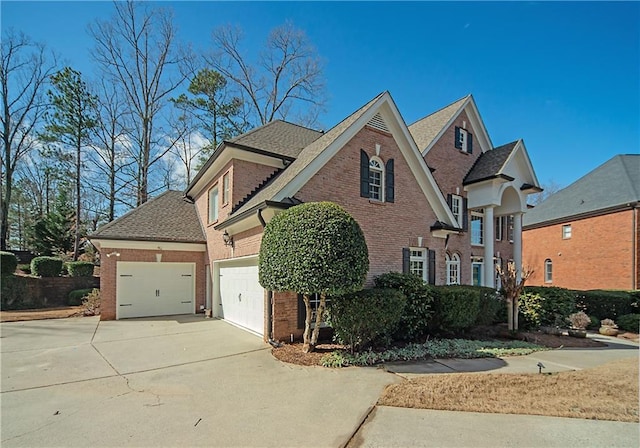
(293, 354)
(41, 313)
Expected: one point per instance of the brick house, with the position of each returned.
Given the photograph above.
(587, 236)
(434, 198)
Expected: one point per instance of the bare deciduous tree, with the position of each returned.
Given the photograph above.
(24, 71)
(548, 189)
(138, 50)
(513, 281)
(286, 82)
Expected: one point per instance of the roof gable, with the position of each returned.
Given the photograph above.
(615, 183)
(509, 161)
(312, 158)
(167, 217)
(428, 130)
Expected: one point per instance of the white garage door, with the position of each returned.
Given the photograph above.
(154, 289)
(242, 297)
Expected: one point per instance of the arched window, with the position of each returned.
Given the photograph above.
(376, 179)
(548, 271)
(453, 269)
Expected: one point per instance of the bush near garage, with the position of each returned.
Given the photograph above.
(418, 309)
(75, 297)
(8, 263)
(46, 266)
(605, 304)
(80, 269)
(371, 315)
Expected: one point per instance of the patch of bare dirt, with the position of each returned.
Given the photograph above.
(41, 313)
(553, 341)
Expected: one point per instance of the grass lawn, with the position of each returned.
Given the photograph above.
(607, 392)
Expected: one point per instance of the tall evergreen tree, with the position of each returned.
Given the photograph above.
(54, 233)
(68, 127)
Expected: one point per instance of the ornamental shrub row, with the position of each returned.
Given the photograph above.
(46, 266)
(8, 263)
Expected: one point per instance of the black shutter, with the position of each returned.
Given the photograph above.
(389, 181)
(405, 260)
(457, 142)
(449, 201)
(469, 143)
(302, 312)
(432, 267)
(465, 215)
(364, 174)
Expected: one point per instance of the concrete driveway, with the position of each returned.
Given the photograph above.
(182, 381)
(190, 381)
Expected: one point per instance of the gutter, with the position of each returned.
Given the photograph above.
(255, 209)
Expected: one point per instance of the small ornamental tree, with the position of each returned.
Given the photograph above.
(512, 285)
(313, 248)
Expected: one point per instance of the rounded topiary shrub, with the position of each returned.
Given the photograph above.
(46, 266)
(361, 318)
(80, 269)
(8, 263)
(75, 297)
(629, 322)
(456, 308)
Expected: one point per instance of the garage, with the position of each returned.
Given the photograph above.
(241, 296)
(154, 289)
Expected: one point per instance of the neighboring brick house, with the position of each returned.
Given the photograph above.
(434, 198)
(587, 236)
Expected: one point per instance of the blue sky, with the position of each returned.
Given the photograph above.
(565, 77)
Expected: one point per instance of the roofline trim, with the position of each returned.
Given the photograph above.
(492, 177)
(580, 216)
(146, 239)
(251, 211)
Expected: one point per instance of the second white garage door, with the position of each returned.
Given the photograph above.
(154, 289)
(242, 297)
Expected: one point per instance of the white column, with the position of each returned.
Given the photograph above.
(488, 237)
(517, 243)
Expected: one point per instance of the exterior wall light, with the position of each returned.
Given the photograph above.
(228, 239)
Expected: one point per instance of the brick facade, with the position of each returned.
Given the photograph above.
(599, 255)
(108, 274)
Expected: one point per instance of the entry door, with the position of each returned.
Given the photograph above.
(155, 289)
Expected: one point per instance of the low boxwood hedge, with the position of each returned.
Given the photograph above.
(80, 269)
(8, 263)
(75, 297)
(46, 266)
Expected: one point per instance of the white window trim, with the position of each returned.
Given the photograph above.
(499, 228)
(457, 200)
(566, 231)
(314, 301)
(422, 258)
(379, 169)
(463, 140)
(548, 273)
(453, 261)
(213, 212)
(226, 189)
(510, 224)
(477, 214)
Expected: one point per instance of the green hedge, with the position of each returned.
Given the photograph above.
(629, 322)
(46, 266)
(75, 297)
(541, 305)
(8, 263)
(456, 308)
(418, 309)
(26, 268)
(607, 304)
(80, 269)
(364, 317)
(14, 294)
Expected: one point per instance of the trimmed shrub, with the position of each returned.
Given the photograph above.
(456, 308)
(80, 269)
(594, 324)
(366, 316)
(606, 304)
(546, 306)
(417, 311)
(46, 266)
(75, 297)
(8, 263)
(629, 322)
(14, 294)
(492, 306)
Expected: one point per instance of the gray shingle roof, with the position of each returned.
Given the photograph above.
(278, 137)
(305, 157)
(425, 130)
(489, 164)
(167, 217)
(614, 183)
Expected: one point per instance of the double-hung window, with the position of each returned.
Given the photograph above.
(548, 271)
(453, 269)
(566, 232)
(418, 262)
(376, 179)
(477, 227)
(213, 204)
(456, 208)
(225, 189)
(499, 228)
